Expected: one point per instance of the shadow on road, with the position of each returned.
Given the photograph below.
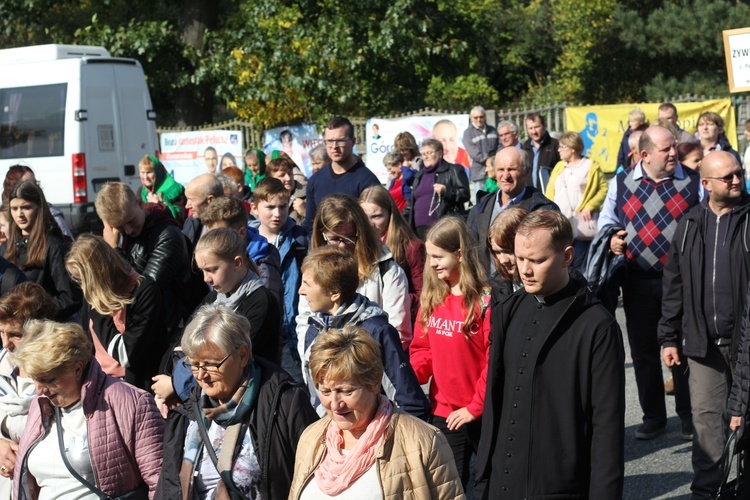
(636, 449)
(655, 484)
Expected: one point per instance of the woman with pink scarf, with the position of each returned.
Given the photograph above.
(366, 448)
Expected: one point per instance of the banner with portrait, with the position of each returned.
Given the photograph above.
(448, 129)
(296, 141)
(183, 153)
(603, 127)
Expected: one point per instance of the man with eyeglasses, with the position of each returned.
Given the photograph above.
(644, 205)
(345, 174)
(480, 141)
(508, 133)
(705, 284)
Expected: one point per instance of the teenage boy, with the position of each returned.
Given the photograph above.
(271, 200)
(329, 282)
(152, 242)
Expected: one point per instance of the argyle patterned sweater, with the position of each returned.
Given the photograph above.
(649, 212)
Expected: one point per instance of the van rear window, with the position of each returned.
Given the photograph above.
(32, 121)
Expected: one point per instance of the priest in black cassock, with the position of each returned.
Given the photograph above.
(554, 411)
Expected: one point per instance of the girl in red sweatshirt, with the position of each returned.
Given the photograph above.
(451, 336)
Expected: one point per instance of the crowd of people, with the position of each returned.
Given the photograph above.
(259, 335)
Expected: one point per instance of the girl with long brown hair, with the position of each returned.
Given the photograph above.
(394, 231)
(451, 336)
(36, 245)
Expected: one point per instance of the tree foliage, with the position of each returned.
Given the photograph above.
(285, 61)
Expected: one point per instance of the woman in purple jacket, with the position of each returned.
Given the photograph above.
(86, 432)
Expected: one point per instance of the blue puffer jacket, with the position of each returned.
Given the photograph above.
(292, 245)
(266, 257)
(399, 382)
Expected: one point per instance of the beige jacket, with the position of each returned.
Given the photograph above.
(414, 462)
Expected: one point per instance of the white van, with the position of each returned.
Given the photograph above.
(79, 118)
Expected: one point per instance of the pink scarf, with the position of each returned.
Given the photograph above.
(338, 471)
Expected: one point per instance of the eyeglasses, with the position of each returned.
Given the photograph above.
(207, 367)
(729, 177)
(563, 146)
(339, 240)
(429, 153)
(336, 142)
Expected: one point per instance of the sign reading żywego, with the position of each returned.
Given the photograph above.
(737, 54)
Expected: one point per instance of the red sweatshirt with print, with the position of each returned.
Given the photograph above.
(456, 362)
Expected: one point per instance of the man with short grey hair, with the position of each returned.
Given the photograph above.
(511, 172)
(508, 133)
(480, 141)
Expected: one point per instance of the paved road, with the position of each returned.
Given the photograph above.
(659, 468)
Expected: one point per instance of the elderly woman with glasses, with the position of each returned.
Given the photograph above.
(366, 447)
(88, 435)
(342, 222)
(439, 189)
(245, 417)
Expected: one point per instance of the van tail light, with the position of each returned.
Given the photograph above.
(80, 193)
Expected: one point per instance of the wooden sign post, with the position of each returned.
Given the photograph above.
(737, 53)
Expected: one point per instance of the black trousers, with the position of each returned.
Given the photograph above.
(641, 299)
(463, 442)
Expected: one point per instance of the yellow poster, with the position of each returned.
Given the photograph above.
(603, 127)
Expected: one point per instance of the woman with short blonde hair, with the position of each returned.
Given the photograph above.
(710, 130)
(114, 428)
(365, 443)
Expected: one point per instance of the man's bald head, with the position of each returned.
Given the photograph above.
(511, 155)
(716, 161)
(201, 191)
(722, 178)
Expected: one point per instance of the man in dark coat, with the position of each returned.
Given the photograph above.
(554, 412)
(542, 150)
(511, 172)
(704, 285)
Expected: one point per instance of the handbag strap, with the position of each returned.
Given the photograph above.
(225, 477)
(96, 491)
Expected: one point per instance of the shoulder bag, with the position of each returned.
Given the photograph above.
(140, 493)
(732, 489)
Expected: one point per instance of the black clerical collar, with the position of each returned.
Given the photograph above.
(567, 291)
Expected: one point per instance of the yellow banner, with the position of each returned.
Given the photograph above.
(602, 127)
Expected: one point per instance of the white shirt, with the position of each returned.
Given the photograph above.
(47, 466)
(367, 487)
